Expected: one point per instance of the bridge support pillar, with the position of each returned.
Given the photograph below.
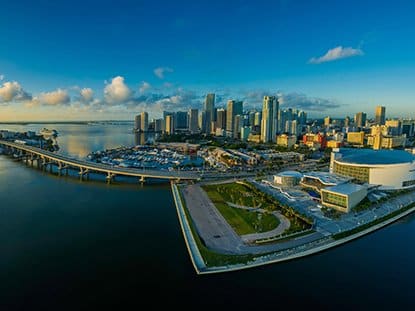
(83, 172)
(142, 179)
(110, 177)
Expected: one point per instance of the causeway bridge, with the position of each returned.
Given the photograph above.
(45, 159)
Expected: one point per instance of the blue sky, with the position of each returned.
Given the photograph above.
(110, 60)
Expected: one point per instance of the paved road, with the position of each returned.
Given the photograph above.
(212, 227)
(218, 234)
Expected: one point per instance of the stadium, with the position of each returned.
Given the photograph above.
(387, 169)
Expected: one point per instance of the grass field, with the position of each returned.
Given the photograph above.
(242, 221)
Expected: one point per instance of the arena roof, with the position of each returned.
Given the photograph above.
(374, 157)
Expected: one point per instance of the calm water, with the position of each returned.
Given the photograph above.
(67, 244)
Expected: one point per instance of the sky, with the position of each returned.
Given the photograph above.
(107, 60)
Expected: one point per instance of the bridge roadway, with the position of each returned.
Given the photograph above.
(64, 162)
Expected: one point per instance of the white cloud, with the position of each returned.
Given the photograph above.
(87, 94)
(160, 71)
(13, 91)
(54, 98)
(338, 52)
(117, 91)
(144, 86)
(1, 77)
(307, 103)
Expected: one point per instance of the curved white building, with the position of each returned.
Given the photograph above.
(390, 169)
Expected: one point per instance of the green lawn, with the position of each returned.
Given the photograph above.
(242, 221)
(235, 193)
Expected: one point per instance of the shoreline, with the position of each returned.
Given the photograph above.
(266, 259)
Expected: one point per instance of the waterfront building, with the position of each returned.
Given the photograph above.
(234, 108)
(288, 178)
(137, 122)
(269, 124)
(144, 121)
(343, 197)
(388, 169)
(193, 121)
(169, 124)
(380, 115)
(158, 125)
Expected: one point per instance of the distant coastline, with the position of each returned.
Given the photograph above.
(67, 122)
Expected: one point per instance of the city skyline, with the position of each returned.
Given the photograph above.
(116, 61)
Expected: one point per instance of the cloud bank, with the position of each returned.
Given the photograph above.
(117, 92)
(13, 91)
(336, 53)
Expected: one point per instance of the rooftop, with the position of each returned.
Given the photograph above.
(374, 157)
(327, 178)
(290, 174)
(346, 189)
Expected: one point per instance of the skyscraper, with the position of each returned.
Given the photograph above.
(144, 121)
(137, 122)
(360, 119)
(221, 118)
(209, 109)
(327, 121)
(193, 120)
(269, 125)
(169, 124)
(380, 115)
(258, 118)
(233, 109)
(181, 120)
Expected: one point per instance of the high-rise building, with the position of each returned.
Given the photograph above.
(269, 126)
(258, 118)
(302, 117)
(169, 124)
(158, 125)
(221, 118)
(193, 120)
(237, 126)
(137, 122)
(202, 121)
(380, 115)
(180, 120)
(360, 119)
(327, 121)
(394, 127)
(209, 109)
(234, 108)
(347, 121)
(144, 121)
